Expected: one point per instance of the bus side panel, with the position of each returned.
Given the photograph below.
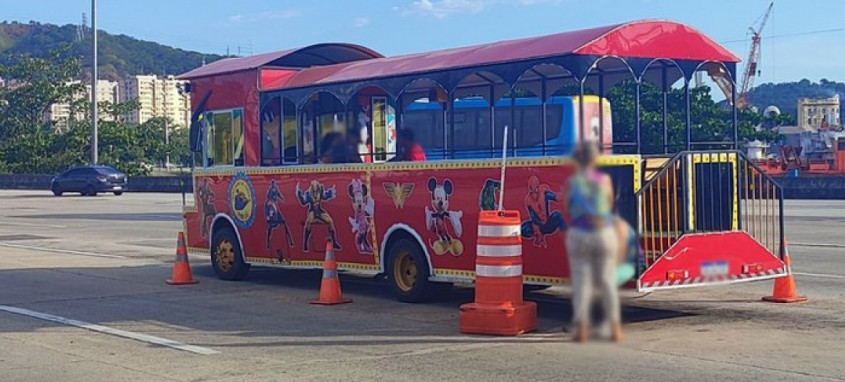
(193, 238)
(271, 212)
(442, 206)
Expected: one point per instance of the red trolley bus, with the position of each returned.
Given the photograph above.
(263, 198)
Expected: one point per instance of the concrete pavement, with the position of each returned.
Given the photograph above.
(103, 261)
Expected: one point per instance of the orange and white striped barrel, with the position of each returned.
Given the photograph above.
(498, 264)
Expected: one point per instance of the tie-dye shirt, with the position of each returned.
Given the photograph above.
(588, 201)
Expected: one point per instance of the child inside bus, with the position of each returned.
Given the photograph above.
(409, 150)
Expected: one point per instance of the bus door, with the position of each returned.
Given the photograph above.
(384, 129)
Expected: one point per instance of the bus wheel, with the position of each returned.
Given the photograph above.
(226, 257)
(408, 272)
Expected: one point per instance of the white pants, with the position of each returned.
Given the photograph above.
(592, 260)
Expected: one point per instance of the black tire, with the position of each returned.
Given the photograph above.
(56, 191)
(410, 284)
(226, 257)
(89, 191)
(118, 193)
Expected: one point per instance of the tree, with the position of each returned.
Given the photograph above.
(29, 144)
(711, 125)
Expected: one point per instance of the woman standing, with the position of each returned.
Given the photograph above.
(591, 242)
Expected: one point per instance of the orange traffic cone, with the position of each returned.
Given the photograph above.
(784, 289)
(330, 293)
(181, 268)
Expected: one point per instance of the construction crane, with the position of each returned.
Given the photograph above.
(751, 70)
(718, 74)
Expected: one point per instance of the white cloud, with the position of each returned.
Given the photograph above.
(443, 8)
(362, 22)
(265, 16)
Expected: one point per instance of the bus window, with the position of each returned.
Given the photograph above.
(271, 134)
(503, 118)
(472, 129)
(307, 134)
(224, 138)
(238, 137)
(426, 121)
(289, 136)
(379, 113)
(554, 121)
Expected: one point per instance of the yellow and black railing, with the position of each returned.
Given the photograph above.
(701, 192)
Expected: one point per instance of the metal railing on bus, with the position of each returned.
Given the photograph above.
(712, 191)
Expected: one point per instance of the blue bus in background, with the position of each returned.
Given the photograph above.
(474, 137)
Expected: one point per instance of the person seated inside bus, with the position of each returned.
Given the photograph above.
(339, 149)
(332, 148)
(408, 149)
(353, 143)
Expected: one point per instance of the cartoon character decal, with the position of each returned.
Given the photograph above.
(438, 215)
(361, 220)
(488, 199)
(398, 192)
(241, 197)
(206, 203)
(313, 198)
(542, 220)
(274, 217)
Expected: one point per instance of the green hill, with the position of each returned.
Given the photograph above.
(785, 95)
(120, 55)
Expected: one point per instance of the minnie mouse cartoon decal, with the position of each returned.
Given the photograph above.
(362, 206)
(438, 215)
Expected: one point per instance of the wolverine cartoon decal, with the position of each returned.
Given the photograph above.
(436, 219)
(542, 220)
(488, 198)
(361, 220)
(206, 203)
(274, 217)
(398, 192)
(313, 198)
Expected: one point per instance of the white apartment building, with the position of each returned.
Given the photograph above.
(59, 113)
(157, 97)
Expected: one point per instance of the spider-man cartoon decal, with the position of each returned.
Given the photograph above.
(542, 219)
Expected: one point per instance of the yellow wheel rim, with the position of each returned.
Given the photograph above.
(224, 255)
(405, 271)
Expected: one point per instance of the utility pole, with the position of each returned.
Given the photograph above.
(94, 75)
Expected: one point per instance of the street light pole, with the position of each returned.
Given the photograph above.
(94, 75)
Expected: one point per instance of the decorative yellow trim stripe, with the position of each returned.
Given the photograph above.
(526, 278)
(310, 264)
(405, 166)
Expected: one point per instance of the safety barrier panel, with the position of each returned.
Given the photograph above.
(708, 218)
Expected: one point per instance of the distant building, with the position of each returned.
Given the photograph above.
(60, 113)
(819, 114)
(157, 97)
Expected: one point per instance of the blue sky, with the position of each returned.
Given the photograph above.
(406, 26)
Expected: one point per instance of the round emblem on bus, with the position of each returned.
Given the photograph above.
(242, 200)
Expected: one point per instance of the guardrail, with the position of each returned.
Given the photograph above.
(716, 191)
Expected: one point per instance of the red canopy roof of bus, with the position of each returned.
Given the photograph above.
(318, 54)
(643, 39)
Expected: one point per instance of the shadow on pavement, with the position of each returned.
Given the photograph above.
(270, 308)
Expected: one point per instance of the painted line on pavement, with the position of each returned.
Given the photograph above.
(18, 224)
(112, 331)
(818, 245)
(822, 275)
(63, 251)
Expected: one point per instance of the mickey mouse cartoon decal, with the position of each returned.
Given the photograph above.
(438, 215)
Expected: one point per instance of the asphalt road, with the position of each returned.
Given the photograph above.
(83, 299)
